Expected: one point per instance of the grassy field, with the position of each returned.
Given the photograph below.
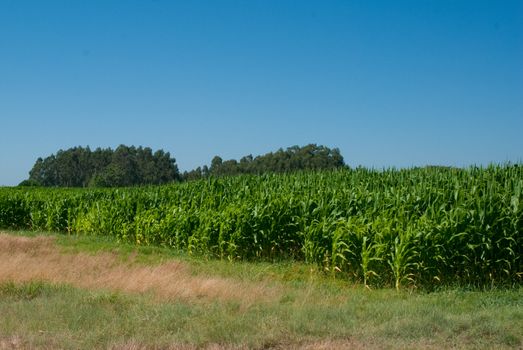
(122, 296)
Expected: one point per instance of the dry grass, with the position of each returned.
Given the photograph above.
(16, 342)
(24, 259)
(13, 342)
(315, 345)
(138, 346)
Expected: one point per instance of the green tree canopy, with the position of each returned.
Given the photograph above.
(124, 166)
(309, 157)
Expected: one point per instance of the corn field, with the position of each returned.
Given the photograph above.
(402, 228)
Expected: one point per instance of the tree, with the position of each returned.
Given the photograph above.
(124, 166)
(309, 157)
(195, 174)
(216, 165)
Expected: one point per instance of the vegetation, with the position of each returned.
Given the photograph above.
(310, 157)
(130, 166)
(418, 227)
(307, 311)
(125, 166)
(42, 315)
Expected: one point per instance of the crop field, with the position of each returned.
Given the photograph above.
(423, 227)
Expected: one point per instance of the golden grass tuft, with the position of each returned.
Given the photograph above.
(24, 259)
(313, 345)
(138, 346)
(12, 343)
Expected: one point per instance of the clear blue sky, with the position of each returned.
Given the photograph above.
(390, 83)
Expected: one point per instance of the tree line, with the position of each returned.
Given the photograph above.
(131, 166)
(295, 158)
(104, 167)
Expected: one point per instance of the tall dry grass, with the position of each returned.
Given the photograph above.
(24, 259)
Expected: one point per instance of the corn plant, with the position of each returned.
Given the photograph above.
(422, 227)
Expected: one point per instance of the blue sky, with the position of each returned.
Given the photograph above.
(390, 83)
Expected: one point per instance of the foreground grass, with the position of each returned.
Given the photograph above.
(306, 311)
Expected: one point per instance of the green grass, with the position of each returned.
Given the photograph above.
(312, 308)
(45, 315)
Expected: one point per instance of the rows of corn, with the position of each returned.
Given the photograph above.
(400, 228)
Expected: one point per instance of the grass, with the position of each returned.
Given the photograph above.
(304, 308)
(200, 265)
